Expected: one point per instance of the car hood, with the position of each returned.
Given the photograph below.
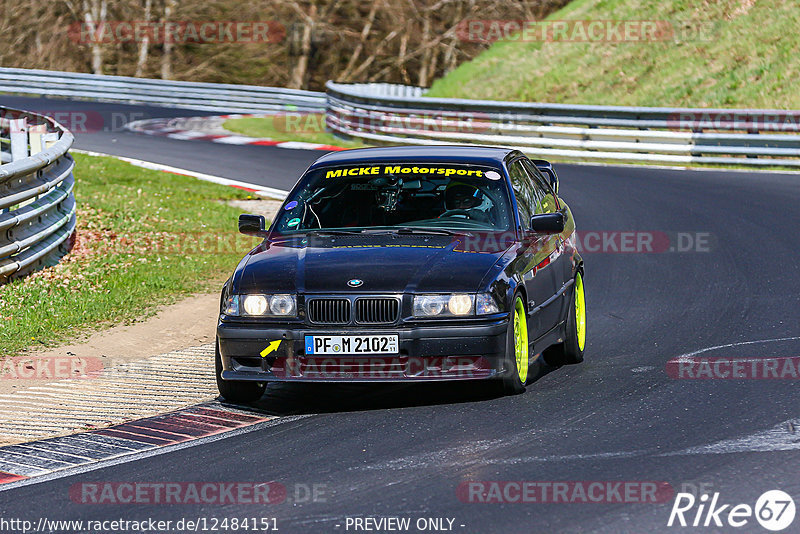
(384, 265)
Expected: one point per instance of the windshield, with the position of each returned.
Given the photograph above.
(446, 196)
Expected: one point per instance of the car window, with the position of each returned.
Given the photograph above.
(545, 200)
(523, 191)
(366, 196)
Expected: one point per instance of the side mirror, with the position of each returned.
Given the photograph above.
(546, 168)
(548, 223)
(252, 224)
(551, 174)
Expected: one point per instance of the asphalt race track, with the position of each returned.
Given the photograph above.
(98, 127)
(400, 450)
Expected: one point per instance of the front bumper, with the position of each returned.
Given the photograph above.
(427, 352)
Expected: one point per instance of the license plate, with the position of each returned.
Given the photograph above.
(327, 345)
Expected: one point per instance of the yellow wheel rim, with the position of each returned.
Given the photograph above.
(580, 311)
(521, 340)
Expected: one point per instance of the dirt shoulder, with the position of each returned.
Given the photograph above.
(187, 323)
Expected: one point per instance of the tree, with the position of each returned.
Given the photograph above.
(399, 41)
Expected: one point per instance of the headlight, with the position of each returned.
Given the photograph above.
(485, 304)
(232, 306)
(458, 304)
(255, 304)
(428, 305)
(454, 305)
(261, 306)
(282, 305)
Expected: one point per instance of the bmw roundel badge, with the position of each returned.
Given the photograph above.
(355, 282)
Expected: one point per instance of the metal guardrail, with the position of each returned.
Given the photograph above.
(37, 206)
(192, 95)
(400, 114)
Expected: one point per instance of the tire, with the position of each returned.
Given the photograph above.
(570, 351)
(237, 392)
(516, 358)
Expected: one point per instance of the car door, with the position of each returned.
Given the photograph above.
(559, 263)
(554, 203)
(535, 270)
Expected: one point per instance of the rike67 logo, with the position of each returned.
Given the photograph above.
(774, 510)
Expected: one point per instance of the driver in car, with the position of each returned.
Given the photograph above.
(467, 201)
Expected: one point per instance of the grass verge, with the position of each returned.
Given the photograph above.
(145, 238)
(744, 56)
(306, 127)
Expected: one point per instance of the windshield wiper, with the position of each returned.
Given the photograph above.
(323, 232)
(404, 230)
(407, 230)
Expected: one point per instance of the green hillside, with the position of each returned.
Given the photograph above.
(728, 53)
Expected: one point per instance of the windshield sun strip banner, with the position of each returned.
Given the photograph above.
(438, 170)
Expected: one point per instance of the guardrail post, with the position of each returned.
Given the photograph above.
(35, 134)
(19, 138)
(49, 139)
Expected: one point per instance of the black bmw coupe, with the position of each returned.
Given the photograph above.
(417, 263)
